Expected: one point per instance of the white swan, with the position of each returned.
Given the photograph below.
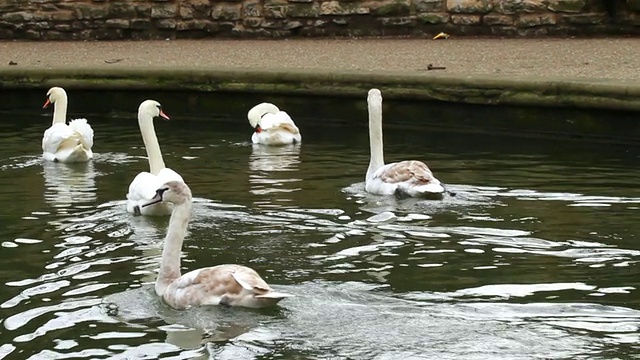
(144, 185)
(410, 178)
(62, 142)
(232, 285)
(272, 126)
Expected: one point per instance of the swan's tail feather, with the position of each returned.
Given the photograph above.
(83, 131)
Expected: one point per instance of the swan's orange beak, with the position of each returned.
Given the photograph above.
(163, 115)
(258, 129)
(46, 103)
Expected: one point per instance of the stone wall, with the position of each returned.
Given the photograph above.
(159, 19)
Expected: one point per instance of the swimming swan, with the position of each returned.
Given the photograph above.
(409, 178)
(232, 285)
(144, 185)
(62, 142)
(272, 126)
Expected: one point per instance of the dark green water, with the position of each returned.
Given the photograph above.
(535, 258)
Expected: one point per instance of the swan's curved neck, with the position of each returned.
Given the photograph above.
(170, 265)
(60, 111)
(156, 163)
(375, 138)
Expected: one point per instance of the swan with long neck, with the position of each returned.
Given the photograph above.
(62, 142)
(144, 185)
(410, 178)
(272, 126)
(229, 284)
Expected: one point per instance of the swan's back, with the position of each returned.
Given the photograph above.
(233, 285)
(84, 132)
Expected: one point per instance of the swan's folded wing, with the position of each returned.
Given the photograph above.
(165, 175)
(55, 136)
(280, 120)
(207, 286)
(144, 186)
(410, 171)
(84, 131)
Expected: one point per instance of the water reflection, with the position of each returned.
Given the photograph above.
(531, 258)
(273, 171)
(68, 185)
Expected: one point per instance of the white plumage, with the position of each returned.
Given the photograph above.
(410, 178)
(272, 126)
(144, 185)
(228, 284)
(62, 142)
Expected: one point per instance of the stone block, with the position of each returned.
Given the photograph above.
(519, 6)
(62, 27)
(54, 35)
(141, 24)
(395, 8)
(32, 34)
(428, 5)
(291, 25)
(469, 6)
(306, 10)
(200, 9)
(404, 21)
(7, 25)
(337, 8)
(251, 9)
(433, 18)
(585, 19)
(83, 11)
(198, 24)
(163, 11)
(117, 23)
(42, 25)
(570, 6)
(99, 12)
(252, 22)
(275, 11)
(20, 16)
(530, 20)
(460, 19)
(166, 23)
(186, 11)
(6, 34)
(63, 15)
(122, 9)
(497, 19)
(226, 12)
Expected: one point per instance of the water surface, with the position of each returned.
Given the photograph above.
(535, 257)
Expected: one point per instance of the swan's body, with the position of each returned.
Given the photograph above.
(272, 126)
(144, 185)
(232, 285)
(62, 142)
(404, 179)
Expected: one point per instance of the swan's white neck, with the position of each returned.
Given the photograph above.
(156, 163)
(170, 265)
(60, 110)
(375, 137)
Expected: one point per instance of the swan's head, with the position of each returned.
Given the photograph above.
(151, 108)
(54, 94)
(175, 192)
(374, 97)
(257, 112)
